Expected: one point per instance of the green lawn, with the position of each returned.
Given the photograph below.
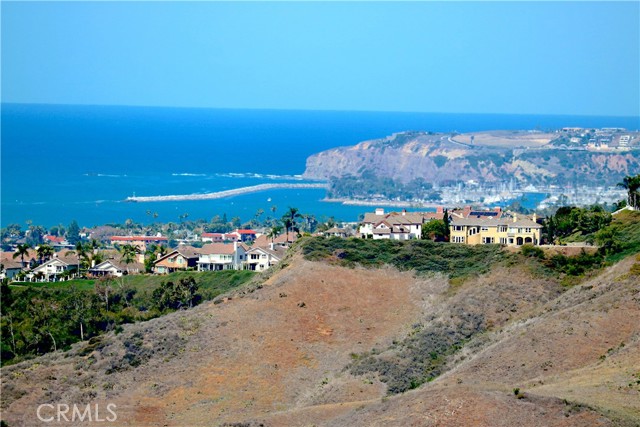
(81, 284)
(209, 281)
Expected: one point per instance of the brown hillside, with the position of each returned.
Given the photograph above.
(280, 354)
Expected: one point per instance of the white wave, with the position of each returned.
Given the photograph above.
(105, 175)
(188, 174)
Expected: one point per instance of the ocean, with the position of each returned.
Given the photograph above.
(62, 162)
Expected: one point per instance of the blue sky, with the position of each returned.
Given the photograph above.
(473, 57)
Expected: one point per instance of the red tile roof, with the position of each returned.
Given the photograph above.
(245, 232)
(54, 239)
(138, 238)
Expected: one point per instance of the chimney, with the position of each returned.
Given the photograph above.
(236, 262)
(466, 211)
(515, 217)
(404, 212)
(534, 218)
(497, 209)
(439, 209)
(379, 211)
(271, 246)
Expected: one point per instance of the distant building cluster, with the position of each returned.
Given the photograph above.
(603, 139)
(466, 226)
(237, 250)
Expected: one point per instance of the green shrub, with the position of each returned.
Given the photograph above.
(423, 256)
(532, 251)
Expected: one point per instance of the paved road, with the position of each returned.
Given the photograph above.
(453, 141)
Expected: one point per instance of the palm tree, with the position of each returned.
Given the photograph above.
(289, 219)
(45, 252)
(632, 185)
(258, 214)
(21, 251)
(274, 232)
(128, 223)
(81, 251)
(286, 222)
(129, 253)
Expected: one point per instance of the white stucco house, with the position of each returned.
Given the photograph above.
(221, 256)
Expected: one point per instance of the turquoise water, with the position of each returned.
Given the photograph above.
(61, 163)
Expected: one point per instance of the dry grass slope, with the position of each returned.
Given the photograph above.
(279, 354)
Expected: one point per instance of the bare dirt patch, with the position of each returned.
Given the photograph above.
(271, 350)
(507, 139)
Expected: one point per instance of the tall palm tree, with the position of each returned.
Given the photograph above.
(257, 216)
(289, 219)
(21, 251)
(632, 185)
(81, 251)
(45, 252)
(286, 222)
(274, 232)
(129, 253)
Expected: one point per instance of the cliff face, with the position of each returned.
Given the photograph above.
(438, 158)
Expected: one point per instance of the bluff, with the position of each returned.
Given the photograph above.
(524, 156)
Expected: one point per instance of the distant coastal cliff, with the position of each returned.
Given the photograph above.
(574, 156)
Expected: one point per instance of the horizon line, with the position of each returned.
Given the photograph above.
(312, 110)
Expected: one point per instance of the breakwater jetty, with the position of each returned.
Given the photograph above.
(225, 193)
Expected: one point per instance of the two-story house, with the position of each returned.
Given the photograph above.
(54, 269)
(396, 225)
(221, 256)
(182, 258)
(260, 259)
(511, 231)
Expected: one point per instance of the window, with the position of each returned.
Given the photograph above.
(485, 228)
(503, 240)
(472, 231)
(502, 229)
(458, 239)
(457, 228)
(527, 230)
(487, 240)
